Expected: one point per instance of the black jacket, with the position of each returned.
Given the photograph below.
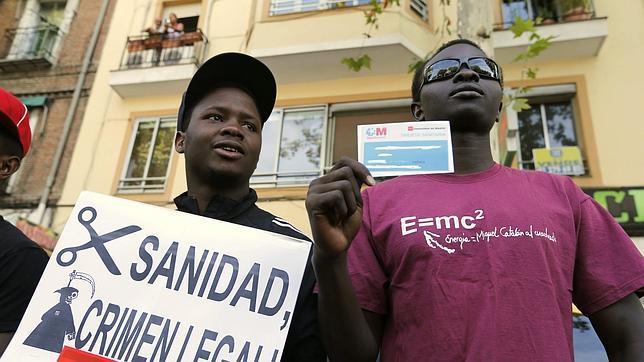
(303, 341)
(22, 262)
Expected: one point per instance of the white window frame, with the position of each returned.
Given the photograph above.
(30, 19)
(274, 181)
(121, 188)
(420, 7)
(275, 8)
(540, 91)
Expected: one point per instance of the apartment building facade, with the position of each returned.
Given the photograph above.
(582, 98)
(584, 89)
(41, 56)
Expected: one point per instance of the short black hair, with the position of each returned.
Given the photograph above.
(9, 144)
(418, 74)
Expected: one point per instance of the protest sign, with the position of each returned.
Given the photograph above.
(135, 282)
(406, 148)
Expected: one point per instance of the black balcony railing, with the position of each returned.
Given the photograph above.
(29, 47)
(547, 11)
(154, 50)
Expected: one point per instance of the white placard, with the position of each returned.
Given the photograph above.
(406, 148)
(131, 281)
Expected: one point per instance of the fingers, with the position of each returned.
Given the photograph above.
(337, 199)
(341, 174)
(329, 204)
(360, 171)
(337, 194)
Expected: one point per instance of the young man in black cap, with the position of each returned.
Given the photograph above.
(219, 131)
(21, 260)
(479, 265)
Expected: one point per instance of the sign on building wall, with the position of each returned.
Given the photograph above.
(560, 160)
(626, 204)
(130, 281)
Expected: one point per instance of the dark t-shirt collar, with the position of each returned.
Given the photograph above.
(219, 207)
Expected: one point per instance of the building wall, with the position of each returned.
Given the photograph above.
(57, 83)
(612, 88)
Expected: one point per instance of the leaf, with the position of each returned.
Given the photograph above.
(531, 73)
(521, 26)
(356, 64)
(520, 104)
(415, 65)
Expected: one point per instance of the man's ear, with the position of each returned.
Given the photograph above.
(8, 166)
(179, 141)
(417, 111)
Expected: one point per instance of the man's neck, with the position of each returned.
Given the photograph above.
(472, 153)
(204, 193)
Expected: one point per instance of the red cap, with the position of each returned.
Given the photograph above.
(15, 117)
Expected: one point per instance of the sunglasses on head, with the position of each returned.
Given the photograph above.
(447, 68)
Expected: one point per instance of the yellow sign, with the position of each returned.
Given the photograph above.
(561, 160)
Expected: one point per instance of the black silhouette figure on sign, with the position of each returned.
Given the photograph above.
(96, 242)
(58, 322)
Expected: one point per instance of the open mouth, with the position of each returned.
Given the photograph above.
(229, 149)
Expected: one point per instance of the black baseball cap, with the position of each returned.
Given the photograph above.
(238, 69)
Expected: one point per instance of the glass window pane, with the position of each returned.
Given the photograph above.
(586, 344)
(270, 144)
(530, 131)
(140, 149)
(162, 149)
(561, 125)
(511, 9)
(301, 142)
(309, 5)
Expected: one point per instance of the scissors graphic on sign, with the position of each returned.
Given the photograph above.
(96, 242)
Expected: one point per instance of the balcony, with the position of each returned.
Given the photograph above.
(308, 48)
(30, 48)
(144, 56)
(578, 31)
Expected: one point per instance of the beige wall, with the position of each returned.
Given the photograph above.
(615, 92)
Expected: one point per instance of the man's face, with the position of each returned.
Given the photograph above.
(223, 138)
(469, 102)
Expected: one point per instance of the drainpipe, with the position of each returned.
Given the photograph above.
(39, 214)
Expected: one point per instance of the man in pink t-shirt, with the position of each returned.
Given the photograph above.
(479, 265)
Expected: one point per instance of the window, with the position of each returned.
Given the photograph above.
(420, 8)
(549, 123)
(148, 155)
(291, 147)
(40, 28)
(550, 11)
(281, 7)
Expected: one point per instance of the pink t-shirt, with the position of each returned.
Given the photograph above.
(485, 267)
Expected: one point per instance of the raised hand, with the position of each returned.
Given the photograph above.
(335, 206)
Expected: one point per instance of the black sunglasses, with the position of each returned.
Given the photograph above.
(447, 68)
